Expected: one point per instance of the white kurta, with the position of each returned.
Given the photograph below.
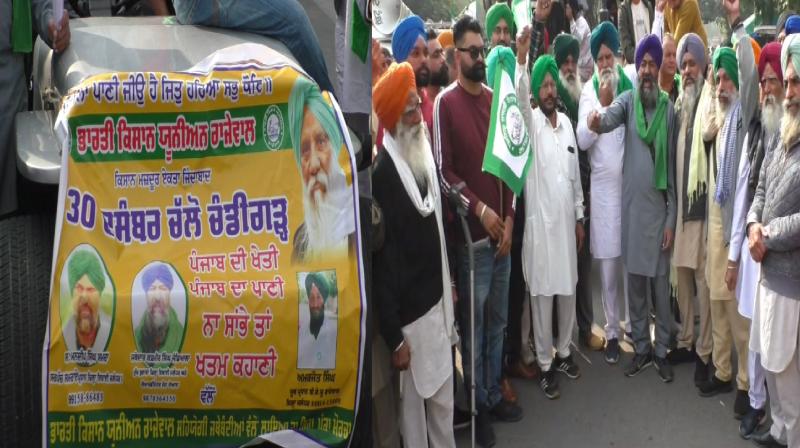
(553, 200)
(749, 270)
(553, 203)
(773, 334)
(606, 178)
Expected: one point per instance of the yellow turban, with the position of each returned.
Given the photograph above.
(390, 94)
(446, 39)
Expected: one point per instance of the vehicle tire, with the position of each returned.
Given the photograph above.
(26, 250)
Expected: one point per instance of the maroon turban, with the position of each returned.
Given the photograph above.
(771, 54)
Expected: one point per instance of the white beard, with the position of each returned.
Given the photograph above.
(790, 126)
(724, 108)
(771, 114)
(322, 212)
(609, 76)
(574, 86)
(413, 146)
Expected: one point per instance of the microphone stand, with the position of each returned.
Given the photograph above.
(458, 202)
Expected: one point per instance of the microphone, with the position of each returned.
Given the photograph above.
(457, 200)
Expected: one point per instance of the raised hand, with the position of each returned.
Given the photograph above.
(523, 45)
(732, 9)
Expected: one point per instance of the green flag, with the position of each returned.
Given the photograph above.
(522, 13)
(508, 154)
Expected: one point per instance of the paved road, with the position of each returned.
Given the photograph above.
(603, 408)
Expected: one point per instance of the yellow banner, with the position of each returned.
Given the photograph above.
(206, 286)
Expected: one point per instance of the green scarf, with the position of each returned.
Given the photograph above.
(568, 101)
(656, 132)
(623, 85)
(21, 27)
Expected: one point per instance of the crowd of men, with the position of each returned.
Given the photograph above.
(669, 161)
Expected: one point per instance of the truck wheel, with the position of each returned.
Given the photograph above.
(26, 250)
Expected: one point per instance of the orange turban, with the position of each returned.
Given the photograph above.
(756, 49)
(390, 94)
(446, 39)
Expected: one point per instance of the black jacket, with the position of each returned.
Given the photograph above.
(407, 270)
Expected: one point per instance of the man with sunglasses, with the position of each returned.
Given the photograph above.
(461, 126)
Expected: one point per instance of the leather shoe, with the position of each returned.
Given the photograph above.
(715, 386)
(507, 391)
(521, 370)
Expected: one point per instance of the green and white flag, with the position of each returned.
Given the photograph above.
(508, 154)
(522, 13)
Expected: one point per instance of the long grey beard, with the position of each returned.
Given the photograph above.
(790, 124)
(771, 114)
(412, 142)
(689, 97)
(573, 85)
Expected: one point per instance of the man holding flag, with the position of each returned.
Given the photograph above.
(648, 202)
(554, 221)
(461, 126)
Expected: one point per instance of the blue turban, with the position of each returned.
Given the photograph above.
(790, 53)
(651, 45)
(405, 36)
(158, 271)
(792, 25)
(500, 55)
(305, 93)
(692, 44)
(606, 34)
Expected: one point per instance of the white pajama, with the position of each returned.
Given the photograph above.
(757, 375)
(543, 327)
(609, 280)
(777, 338)
(787, 387)
(778, 428)
(434, 413)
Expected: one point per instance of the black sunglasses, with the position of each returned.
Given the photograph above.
(474, 52)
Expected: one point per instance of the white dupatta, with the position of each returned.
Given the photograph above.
(431, 203)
